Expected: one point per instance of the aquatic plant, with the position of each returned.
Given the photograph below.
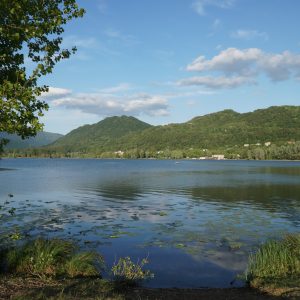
(275, 261)
(51, 258)
(130, 273)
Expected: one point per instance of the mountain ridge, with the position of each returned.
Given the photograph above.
(220, 129)
(225, 131)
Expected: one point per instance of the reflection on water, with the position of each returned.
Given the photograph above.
(197, 220)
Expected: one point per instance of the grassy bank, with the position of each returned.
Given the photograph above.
(55, 269)
(275, 266)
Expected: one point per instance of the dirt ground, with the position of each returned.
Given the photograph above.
(97, 289)
(196, 294)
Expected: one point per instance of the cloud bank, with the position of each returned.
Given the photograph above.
(249, 34)
(200, 5)
(242, 66)
(107, 102)
(216, 82)
(55, 92)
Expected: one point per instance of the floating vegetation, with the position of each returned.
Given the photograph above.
(179, 245)
(163, 213)
(114, 236)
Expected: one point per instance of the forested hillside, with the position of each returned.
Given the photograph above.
(231, 133)
(101, 136)
(222, 129)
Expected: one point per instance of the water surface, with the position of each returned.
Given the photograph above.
(196, 221)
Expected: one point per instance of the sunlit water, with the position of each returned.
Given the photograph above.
(196, 221)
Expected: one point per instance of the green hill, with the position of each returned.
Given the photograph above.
(222, 129)
(102, 136)
(41, 139)
(222, 132)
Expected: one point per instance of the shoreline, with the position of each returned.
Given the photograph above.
(163, 159)
(92, 289)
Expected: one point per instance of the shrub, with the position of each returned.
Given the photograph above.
(51, 258)
(82, 265)
(130, 273)
(275, 260)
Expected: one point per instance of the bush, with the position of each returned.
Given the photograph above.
(51, 258)
(275, 261)
(130, 273)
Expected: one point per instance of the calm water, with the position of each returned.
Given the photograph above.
(195, 220)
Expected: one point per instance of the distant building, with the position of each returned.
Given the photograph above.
(120, 153)
(218, 156)
(267, 144)
(246, 145)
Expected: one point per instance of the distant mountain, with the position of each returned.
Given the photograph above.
(221, 130)
(103, 135)
(41, 139)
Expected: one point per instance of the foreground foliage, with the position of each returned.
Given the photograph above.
(30, 32)
(51, 259)
(276, 264)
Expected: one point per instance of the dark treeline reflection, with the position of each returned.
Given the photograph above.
(117, 190)
(278, 198)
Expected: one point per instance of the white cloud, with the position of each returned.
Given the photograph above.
(242, 66)
(250, 62)
(126, 39)
(231, 60)
(108, 102)
(200, 5)
(249, 34)
(55, 92)
(282, 66)
(216, 82)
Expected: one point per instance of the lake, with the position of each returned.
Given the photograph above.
(196, 221)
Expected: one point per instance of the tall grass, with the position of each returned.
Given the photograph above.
(275, 260)
(51, 258)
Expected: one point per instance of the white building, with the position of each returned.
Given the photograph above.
(218, 156)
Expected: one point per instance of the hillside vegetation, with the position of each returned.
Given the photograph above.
(101, 136)
(222, 129)
(234, 134)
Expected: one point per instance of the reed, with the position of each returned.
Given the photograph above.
(52, 258)
(275, 260)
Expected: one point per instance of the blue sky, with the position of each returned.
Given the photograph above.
(166, 61)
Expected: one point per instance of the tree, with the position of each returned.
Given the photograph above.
(30, 30)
